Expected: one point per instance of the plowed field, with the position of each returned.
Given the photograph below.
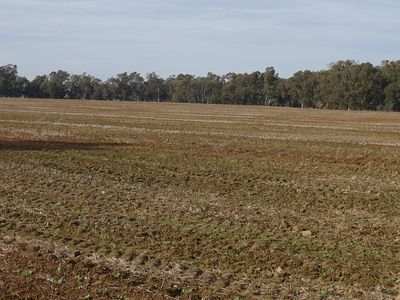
(122, 200)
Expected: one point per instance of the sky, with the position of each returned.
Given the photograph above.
(104, 37)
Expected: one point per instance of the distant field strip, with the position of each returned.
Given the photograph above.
(213, 133)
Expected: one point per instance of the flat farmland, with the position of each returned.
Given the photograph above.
(123, 200)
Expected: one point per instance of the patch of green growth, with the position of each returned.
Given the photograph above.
(324, 294)
(56, 281)
(25, 273)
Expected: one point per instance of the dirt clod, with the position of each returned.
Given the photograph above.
(306, 233)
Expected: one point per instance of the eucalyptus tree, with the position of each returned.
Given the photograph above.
(81, 86)
(8, 74)
(303, 86)
(57, 84)
(271, 92)
(391, 76)
(155, 88)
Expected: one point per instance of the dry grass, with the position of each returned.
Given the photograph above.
(144, 200)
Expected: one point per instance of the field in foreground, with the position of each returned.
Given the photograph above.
(107, 200)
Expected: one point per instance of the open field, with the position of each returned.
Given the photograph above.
(116, 200)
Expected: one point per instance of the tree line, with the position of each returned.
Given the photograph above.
(344, 85)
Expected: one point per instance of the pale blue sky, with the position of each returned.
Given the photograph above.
(104, 37)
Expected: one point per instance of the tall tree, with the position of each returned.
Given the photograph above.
(81, 86)
(271, 92)
(38, 87)
(8, 75)
(57, 84)
(182, 88)
(303, 86)
(391, 77)
(155, 89)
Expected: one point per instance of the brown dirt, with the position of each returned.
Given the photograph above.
(115, 200)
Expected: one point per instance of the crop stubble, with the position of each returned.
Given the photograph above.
(145, 200)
